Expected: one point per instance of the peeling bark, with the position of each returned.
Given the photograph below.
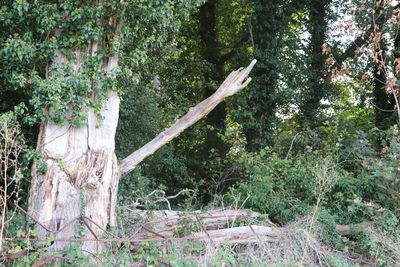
(82, 170)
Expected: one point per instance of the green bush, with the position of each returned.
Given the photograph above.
(284, 188)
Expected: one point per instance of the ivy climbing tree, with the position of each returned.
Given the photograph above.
(316, 89)
(273, 34)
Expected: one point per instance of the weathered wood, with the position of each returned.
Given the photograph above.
(235, 82)
(213, 219)
(241, 235)
(217, 225)
(351, 229)
(81, 166)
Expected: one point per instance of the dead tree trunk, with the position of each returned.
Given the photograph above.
(82, 170)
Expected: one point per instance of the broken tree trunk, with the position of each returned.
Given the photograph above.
(243, 235)
(82, 171)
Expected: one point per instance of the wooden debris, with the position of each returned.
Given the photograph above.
(241, 235)
(215, 225)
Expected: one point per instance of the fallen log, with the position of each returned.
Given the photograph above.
(241, 234)
(211, 220)
(352, 229)
(234, 226)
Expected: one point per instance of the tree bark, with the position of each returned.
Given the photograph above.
(82, 170)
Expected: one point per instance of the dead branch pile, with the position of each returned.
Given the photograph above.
(249, 234)
(221, 225)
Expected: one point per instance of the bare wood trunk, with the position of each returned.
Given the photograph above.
(82, 170)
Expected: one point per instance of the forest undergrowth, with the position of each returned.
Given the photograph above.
(335, 203)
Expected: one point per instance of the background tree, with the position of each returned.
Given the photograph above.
(316, 89)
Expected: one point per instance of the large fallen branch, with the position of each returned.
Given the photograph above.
(235, 82)
(211, 220)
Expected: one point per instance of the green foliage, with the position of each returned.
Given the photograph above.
(186, 227)
(17, 228)
(364, 169)
(63, 99)
(16, 157)
(359, 185)
(149, 254)
(172, 79)
(277, 31)
(32, 32)
(76, 256)
(283, 189)
(140, 110)
(378, 154)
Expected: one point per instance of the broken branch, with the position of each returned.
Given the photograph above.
(235, 82)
